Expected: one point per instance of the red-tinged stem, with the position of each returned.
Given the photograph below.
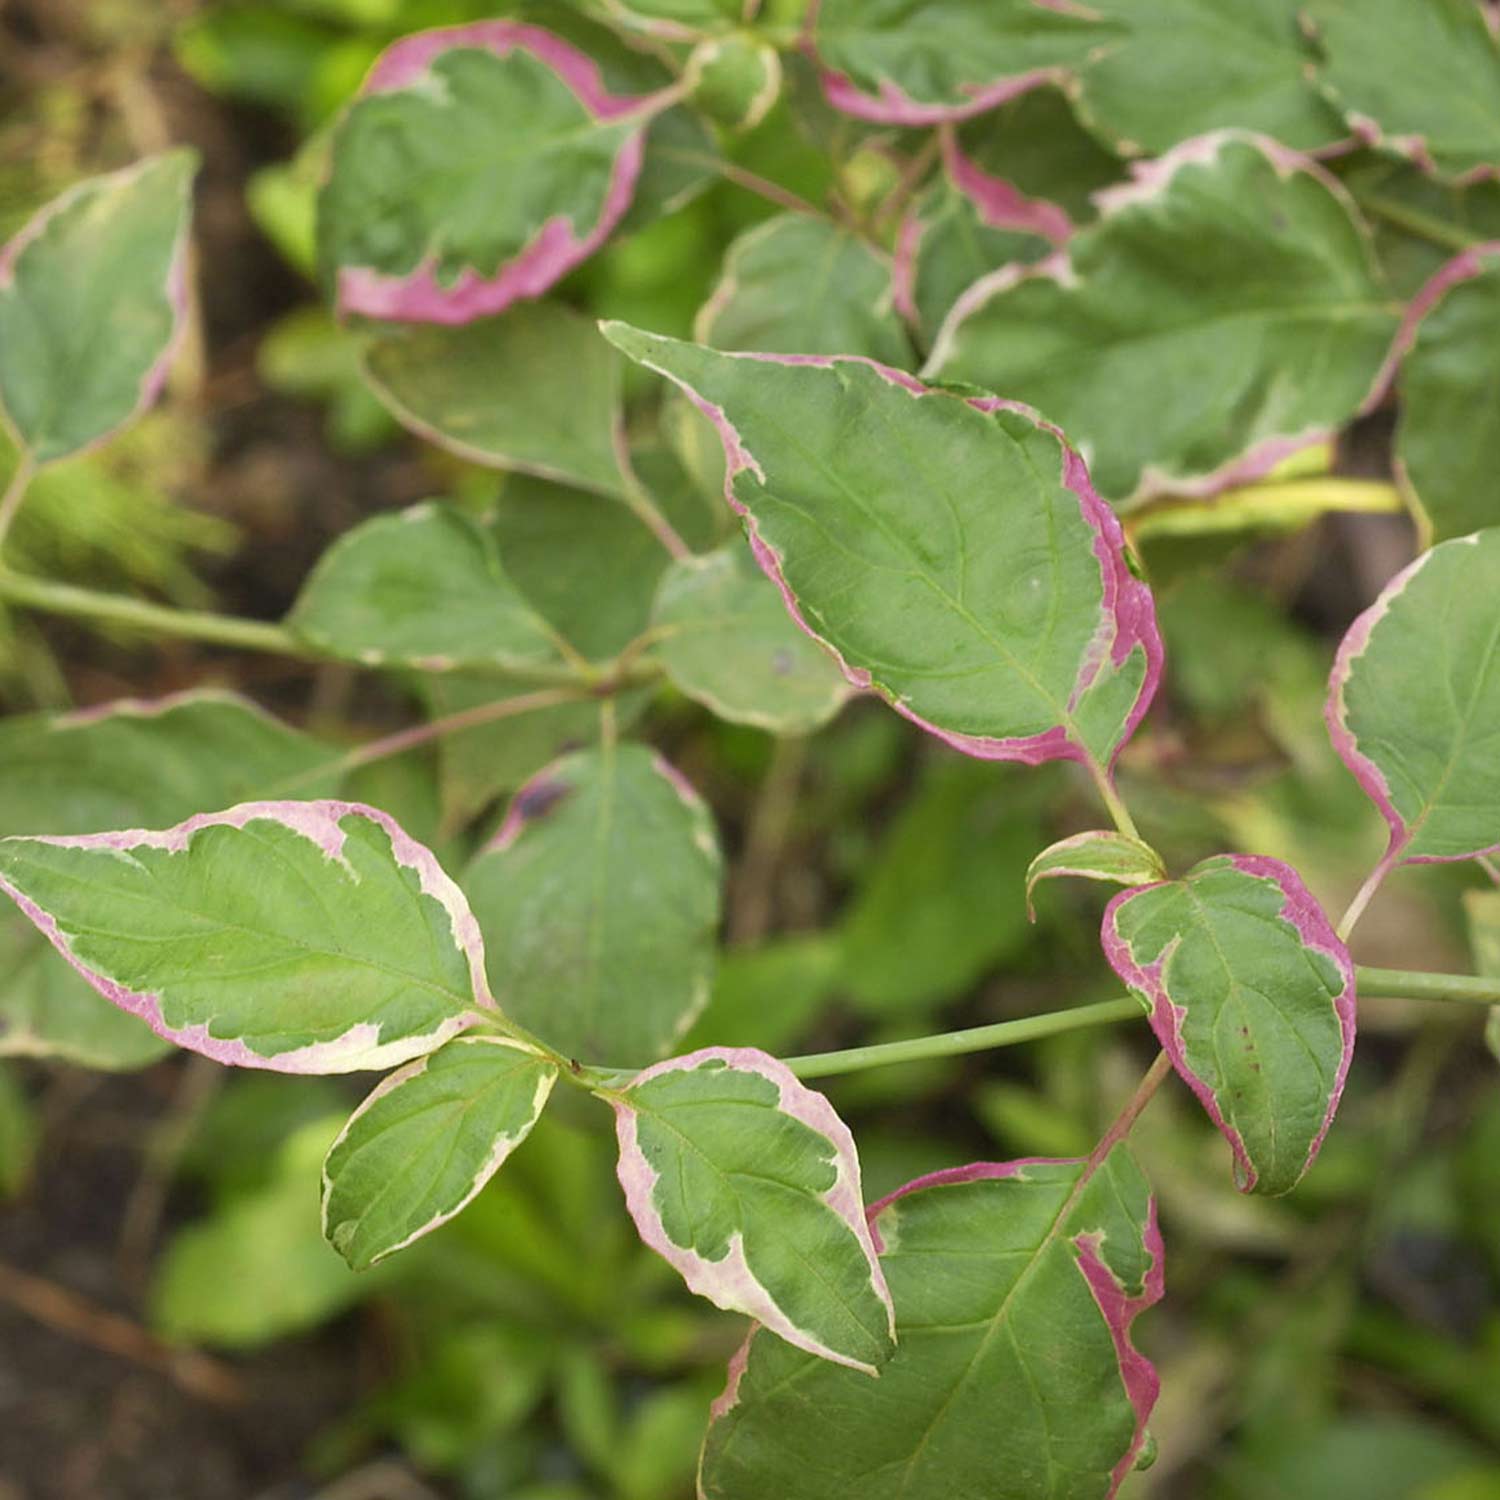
(1125, 1121)
(436, 729)
(1364, 895)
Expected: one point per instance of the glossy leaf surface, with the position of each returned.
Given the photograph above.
(747, 1182)
(536, 389)
(421, 588)
(1015, 1287)
(1252, 997)
(130, 763)
(1099, 855)
(599, 903)
(1414, 702)
(482, 163)
(913, 62)
(799, 285)
(308, 937)
(977, 582)
(1422, 81)
(729, 644)
(93, 292)
(1448, 441)
(1225, 312)
(426, 1140)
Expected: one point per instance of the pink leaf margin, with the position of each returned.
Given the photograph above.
(1346, 743)
(1149, 182)
(557, 246)
(360, 1048)
(728, 1282)
(176, 287)
(1127, 610)
(1118, 1307)
(892, 105)
(1301, 911)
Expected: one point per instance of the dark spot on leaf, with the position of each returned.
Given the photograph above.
(538, 799)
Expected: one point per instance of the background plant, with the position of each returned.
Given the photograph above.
(1200, 331)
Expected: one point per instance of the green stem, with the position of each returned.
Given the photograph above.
(1113, 802)
(1386, 983)
(253, 635)
(957, 1043)
(645, 508)
(1414, 221)
(15, 491)
(1409, 984)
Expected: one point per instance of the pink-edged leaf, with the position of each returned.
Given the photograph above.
(305, 937)
(426, 1141)
(747, 1182)
(1015, 1286)
(481, 163)
(1101, 854)
(1225, 312)
(93, 297)
(1414, 702)
(916, 62)
(950, 552)
(1251, 994)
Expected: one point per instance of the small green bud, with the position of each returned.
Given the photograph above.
(734, 80)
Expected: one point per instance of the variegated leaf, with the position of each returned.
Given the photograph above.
(482, 163)
(1414, 702)
(977, 583)
(747, 1182)
(1252, 997)
(1015, 1286)
(1225, 312)
(426, 1140)
(306, 937)
(93, 293)
(1099, 855)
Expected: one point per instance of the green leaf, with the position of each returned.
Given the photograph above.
(422, 588)
(678, 20)
(1015, 1287)
(799, 285)
(481, 164)
(1252, 997)
(92, 296)
(768, 997)
(1413, 704)
(266, 1245)
(1098, 855)
(1026, 160)
(536, 390)
(426, 1140)
(1180, 68)
(1482, 913)
(915, 62)
(747, 1182)
(307, 937)
(945, 246)
(1224, 312)
(587, 565)
(599, 902)
(978, 584)
(1417, 80)
(940, 904)
(130, 764)
(729, 644)
(1448, 453)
